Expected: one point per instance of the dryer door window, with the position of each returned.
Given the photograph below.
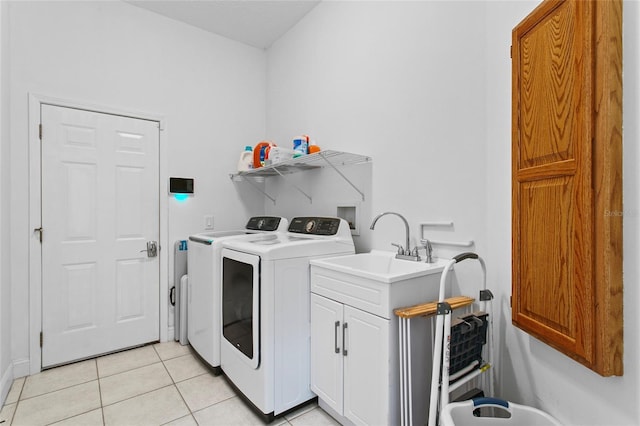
(240, 305)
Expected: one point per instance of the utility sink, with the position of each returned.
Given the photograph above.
(353, 324)
(381, 266)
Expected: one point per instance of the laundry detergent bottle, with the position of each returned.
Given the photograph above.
(246, 159)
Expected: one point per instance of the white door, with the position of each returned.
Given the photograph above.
(100, 207)
(326, 351)
(366, 368)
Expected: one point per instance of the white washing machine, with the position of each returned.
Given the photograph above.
(264, 348)
(204, 289)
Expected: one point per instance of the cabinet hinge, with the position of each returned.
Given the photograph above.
(40, 131)
(41, 338)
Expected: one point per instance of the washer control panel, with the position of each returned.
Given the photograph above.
(263, 223)
(315, 225)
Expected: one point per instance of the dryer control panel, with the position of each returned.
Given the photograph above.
(315, 225)
(263, 223)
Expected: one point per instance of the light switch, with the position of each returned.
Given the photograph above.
(208, 222)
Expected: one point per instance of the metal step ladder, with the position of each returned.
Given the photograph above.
(442, 383)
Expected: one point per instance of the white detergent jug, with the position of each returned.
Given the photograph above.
(246, 159)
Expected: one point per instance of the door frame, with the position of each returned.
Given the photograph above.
(35, 102)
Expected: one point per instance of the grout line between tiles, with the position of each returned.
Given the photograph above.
(156, 351)
(24, 382)
(140, 394)
(129, 369)
(170, 357)
(56, 390)
(174, 383)
(184, 380)
(170, 376)
(76, 415)
(124, 351)
(178, 390)
(13, 416)
(100, 394)
(188, 415)
(209, 406)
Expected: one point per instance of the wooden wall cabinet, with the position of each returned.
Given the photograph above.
(567, 179)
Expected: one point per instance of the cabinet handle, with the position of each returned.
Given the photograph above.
(344, 334)
(335, 337)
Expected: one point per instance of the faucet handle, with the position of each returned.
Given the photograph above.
(400, 248)
(427, 245)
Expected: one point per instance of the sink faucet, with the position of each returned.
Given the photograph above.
(427, 245)
(403, 252)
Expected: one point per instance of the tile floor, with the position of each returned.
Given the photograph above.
(161, 384)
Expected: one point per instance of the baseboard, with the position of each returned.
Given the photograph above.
(5, 384)
(21, 368)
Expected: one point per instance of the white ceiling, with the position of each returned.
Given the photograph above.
(257, 23)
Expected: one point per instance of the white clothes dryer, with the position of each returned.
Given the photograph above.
(204, 288)
(264, 348)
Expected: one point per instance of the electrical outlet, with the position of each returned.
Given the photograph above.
(208, 222)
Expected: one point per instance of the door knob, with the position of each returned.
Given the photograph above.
(152, 249)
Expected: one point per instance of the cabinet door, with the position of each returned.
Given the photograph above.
(326, 351)
(366, 367)
(567, 260)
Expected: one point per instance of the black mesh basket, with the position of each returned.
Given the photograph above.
(468, 336)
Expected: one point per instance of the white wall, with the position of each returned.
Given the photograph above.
(532, 372)
(210, 90)
(6, 371)
(401, 82)
(424, 88)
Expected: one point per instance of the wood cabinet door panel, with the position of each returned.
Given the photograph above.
(566, 171)
(550, 84)
(552, 148)
(545, 262)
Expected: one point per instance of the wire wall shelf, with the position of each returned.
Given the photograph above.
(332, 159)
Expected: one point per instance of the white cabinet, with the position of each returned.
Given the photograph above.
(326, 350)
(354, 345)
(366, 367)
(346, 373)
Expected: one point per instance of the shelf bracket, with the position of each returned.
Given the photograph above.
(302, 163)
(294, 185)
(341, 174)
(252, 183)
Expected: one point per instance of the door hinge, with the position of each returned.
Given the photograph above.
(39, 231)
(511, 52)
(40, 131)
(41, 339)
(510, 301)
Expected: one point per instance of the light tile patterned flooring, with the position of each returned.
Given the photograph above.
(161, 384)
